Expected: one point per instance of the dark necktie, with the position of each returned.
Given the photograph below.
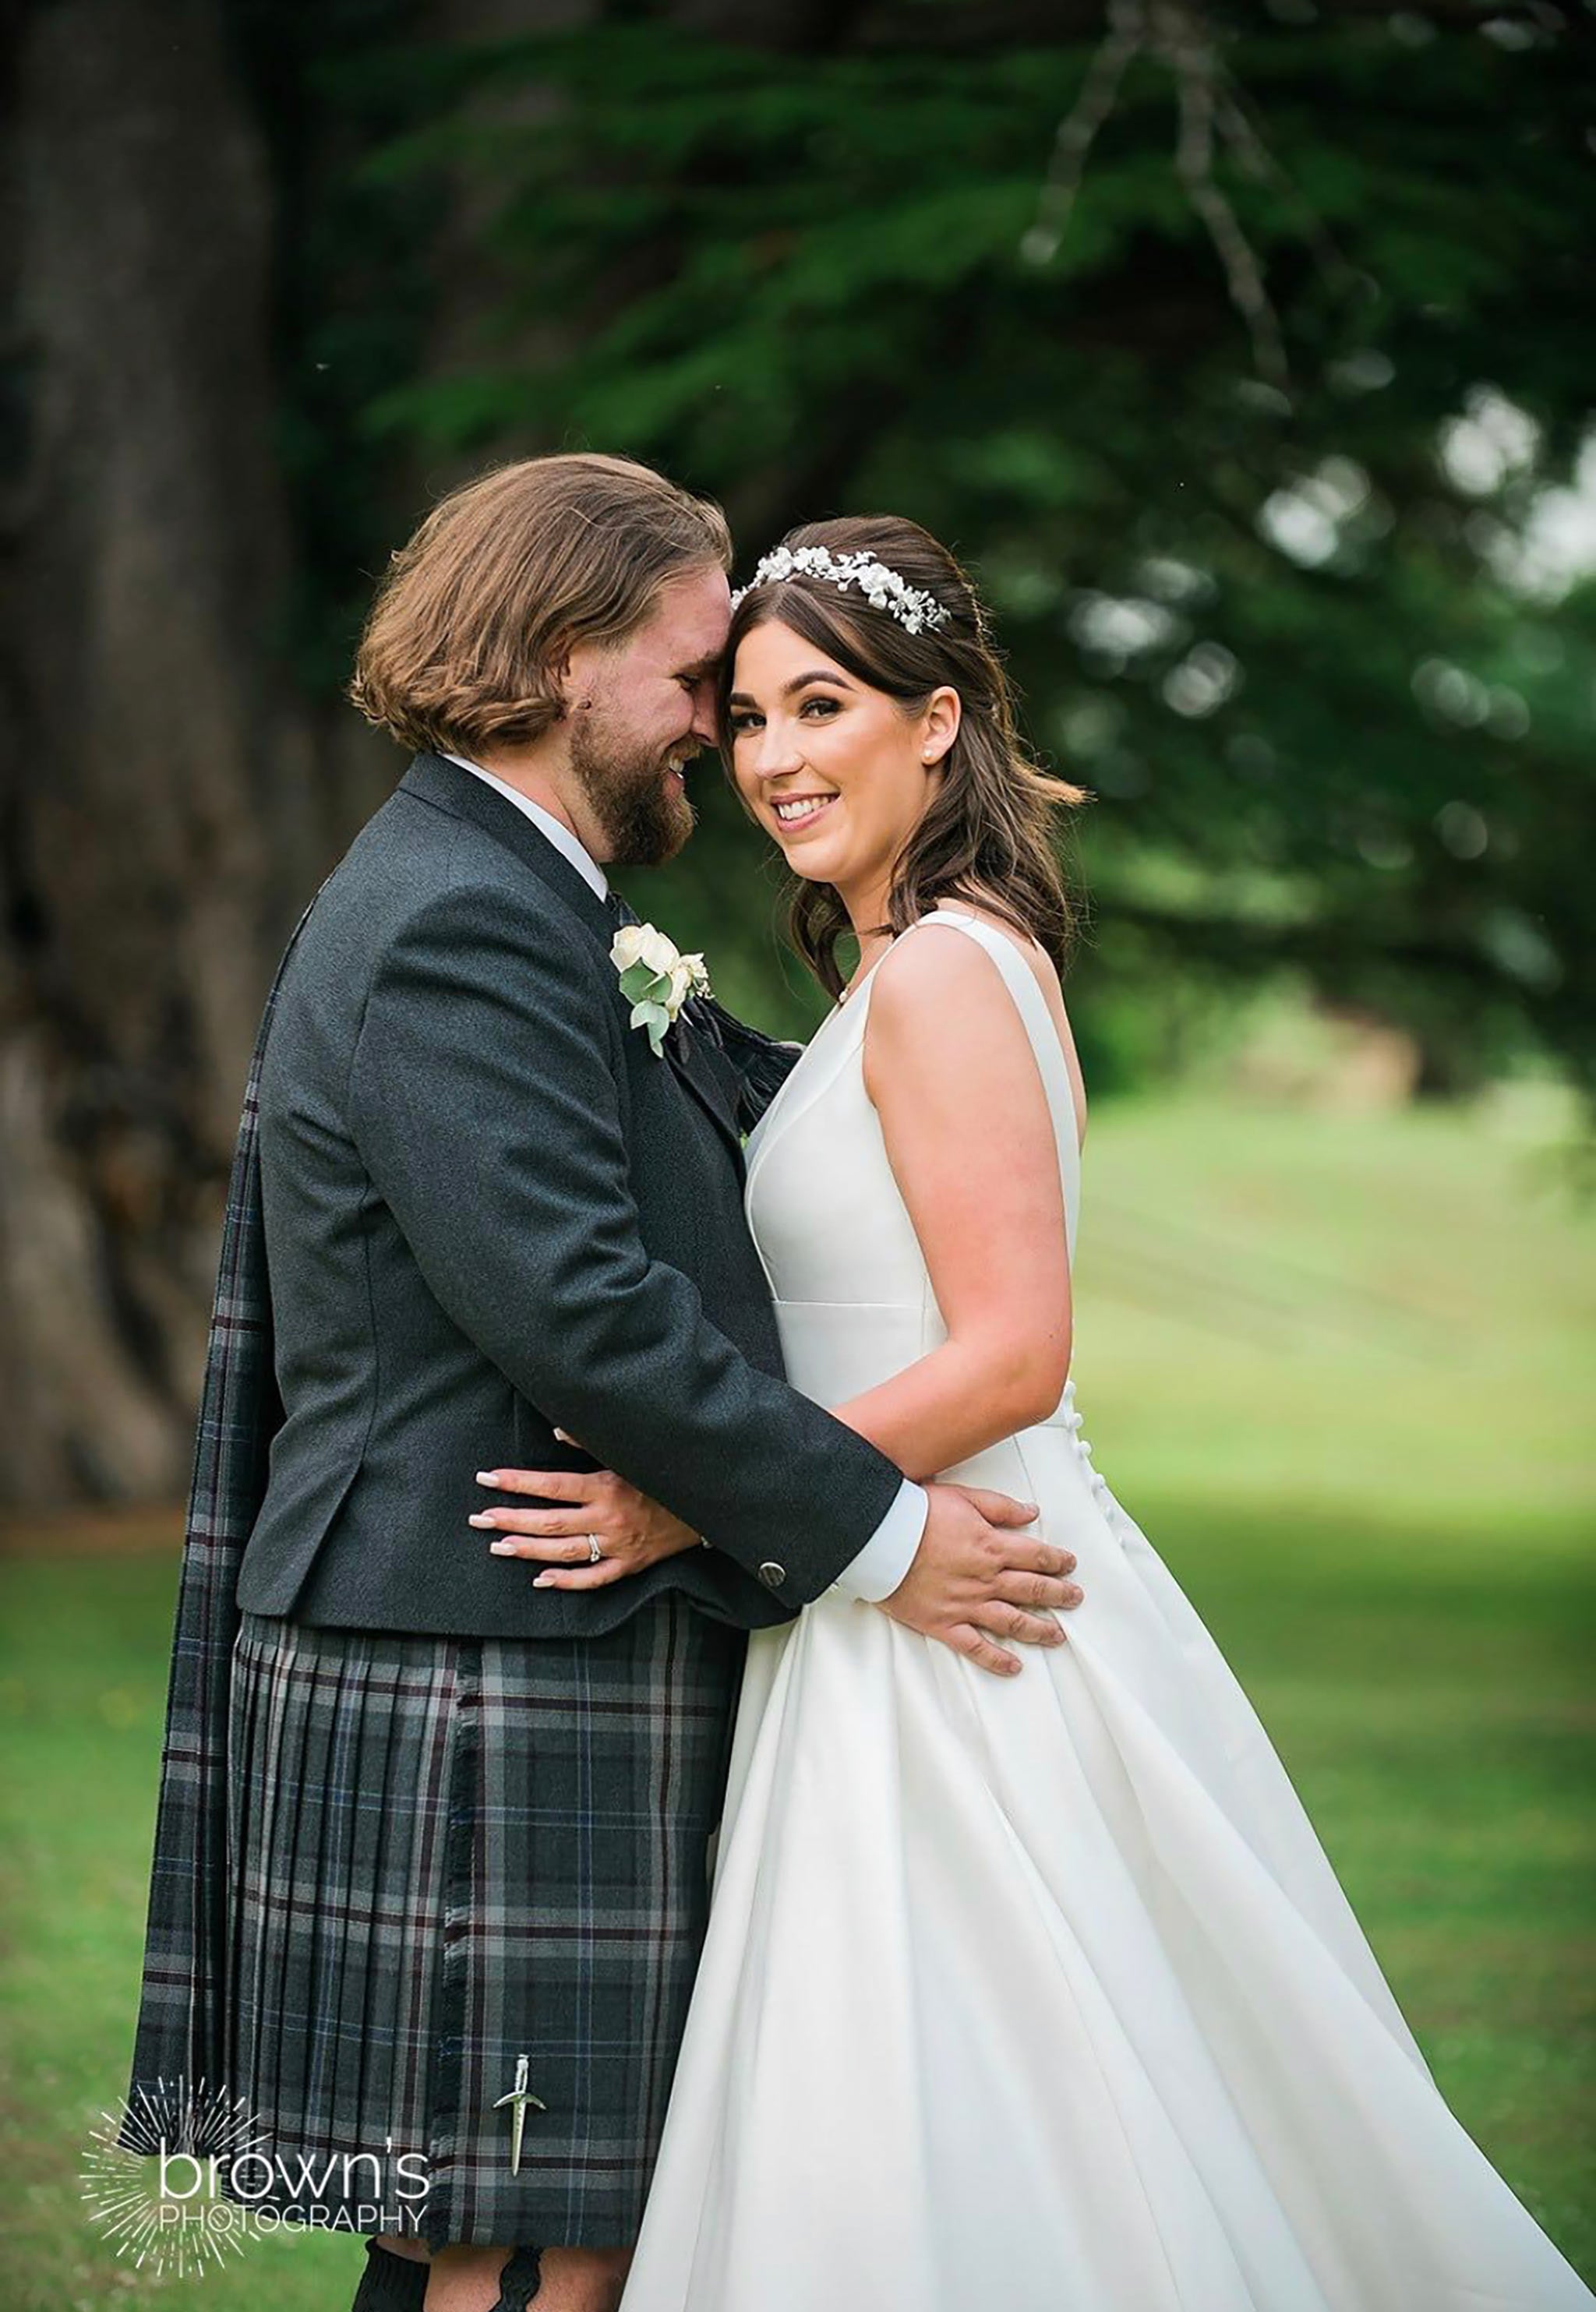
(618, 912)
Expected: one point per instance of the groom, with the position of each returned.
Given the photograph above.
(430, 1871)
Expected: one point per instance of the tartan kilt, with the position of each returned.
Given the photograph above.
(446, 1854)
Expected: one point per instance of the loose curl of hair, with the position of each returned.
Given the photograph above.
(473, 616)
(987, 833)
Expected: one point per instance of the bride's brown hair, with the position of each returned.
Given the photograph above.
(988, 832)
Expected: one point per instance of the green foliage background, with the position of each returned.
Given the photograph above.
(795, 276)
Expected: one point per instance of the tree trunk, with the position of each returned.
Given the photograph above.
(156, 791)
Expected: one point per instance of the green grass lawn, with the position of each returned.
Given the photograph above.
(1337, 1367)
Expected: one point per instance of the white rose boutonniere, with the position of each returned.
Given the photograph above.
(657, 978)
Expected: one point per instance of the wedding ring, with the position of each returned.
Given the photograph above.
(593, 1551)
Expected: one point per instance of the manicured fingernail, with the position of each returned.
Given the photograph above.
(501, 1549)
(545, 1582)
(562, 1436)
(487, 1477)
(480, 1517)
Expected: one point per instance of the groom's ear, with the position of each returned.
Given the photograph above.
(571, 683)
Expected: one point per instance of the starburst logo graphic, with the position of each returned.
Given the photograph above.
(156, 2199)
(182, 2178)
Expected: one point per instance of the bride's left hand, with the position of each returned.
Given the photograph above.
(632, 1531)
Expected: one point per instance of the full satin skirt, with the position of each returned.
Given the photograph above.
(1040, 1994)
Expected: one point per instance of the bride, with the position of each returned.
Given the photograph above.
(1034, 1992)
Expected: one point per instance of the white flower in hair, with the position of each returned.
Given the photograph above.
(884, 590)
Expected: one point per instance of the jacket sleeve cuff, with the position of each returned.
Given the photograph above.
(887, 1556)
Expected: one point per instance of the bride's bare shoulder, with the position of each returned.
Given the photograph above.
(1025, 944)
(1036, 955)
(926, 972)
(916, 964)
(941, 1029)
(934, 972)
(922, 967)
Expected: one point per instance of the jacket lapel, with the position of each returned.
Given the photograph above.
(448, 788)
(445, 785)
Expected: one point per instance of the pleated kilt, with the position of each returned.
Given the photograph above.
(446, 1855)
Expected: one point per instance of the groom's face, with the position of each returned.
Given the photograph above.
(641, 711)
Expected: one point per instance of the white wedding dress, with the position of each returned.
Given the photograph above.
(1035, 1995)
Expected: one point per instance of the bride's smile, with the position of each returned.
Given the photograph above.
(800, 810)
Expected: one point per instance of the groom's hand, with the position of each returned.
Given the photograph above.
(973, 1579)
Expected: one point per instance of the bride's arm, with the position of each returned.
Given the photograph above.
(950, 1069)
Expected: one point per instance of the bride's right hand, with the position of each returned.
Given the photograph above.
(632, 1531)
(975, 1580)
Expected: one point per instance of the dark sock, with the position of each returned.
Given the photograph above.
(390, 2282)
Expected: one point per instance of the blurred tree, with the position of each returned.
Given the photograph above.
(157, 781)
(202, 294)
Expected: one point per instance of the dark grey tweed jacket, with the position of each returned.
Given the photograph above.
(467, 1204)
(492, 1211)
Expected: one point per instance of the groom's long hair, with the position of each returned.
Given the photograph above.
(989, 830)
(474, 615)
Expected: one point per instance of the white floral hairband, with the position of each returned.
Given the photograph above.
(882, 588)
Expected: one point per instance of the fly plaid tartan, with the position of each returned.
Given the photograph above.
(452, 1852)
(182, 2034)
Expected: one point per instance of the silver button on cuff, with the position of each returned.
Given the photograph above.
(772, 1575)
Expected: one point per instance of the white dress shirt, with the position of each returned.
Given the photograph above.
(887, 1556)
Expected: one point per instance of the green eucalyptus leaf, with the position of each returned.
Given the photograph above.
(641, 982)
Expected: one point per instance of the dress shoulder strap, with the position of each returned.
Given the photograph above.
(1048, 1052)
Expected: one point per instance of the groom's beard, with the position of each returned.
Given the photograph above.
(645, 819)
